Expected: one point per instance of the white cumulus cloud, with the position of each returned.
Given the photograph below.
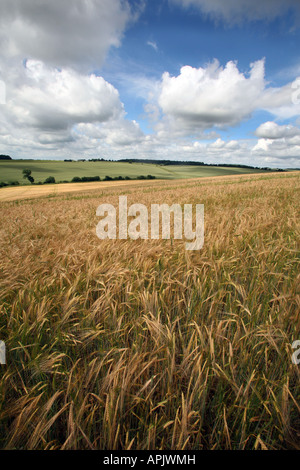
(213, 95)
(121, 132)
(272, 130)
(52, 98)
(280, 141)
(67, 33)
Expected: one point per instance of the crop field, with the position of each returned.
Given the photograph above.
(66, 171)
(140, 344)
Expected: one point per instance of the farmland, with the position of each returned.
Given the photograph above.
(140, 344)
(66, 171)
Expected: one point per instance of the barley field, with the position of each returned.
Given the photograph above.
(123, 344)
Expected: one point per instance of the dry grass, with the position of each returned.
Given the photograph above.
(141, 344)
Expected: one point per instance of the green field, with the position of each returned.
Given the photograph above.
(65, 171)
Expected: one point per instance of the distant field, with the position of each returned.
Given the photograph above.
(140, 344)
(65, 171)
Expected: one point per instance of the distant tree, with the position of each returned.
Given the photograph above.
(27, 175)
(49, 180)
(5, 157)
(10, 183)
(86, 179)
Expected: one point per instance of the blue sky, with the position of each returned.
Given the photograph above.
(200, 80)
